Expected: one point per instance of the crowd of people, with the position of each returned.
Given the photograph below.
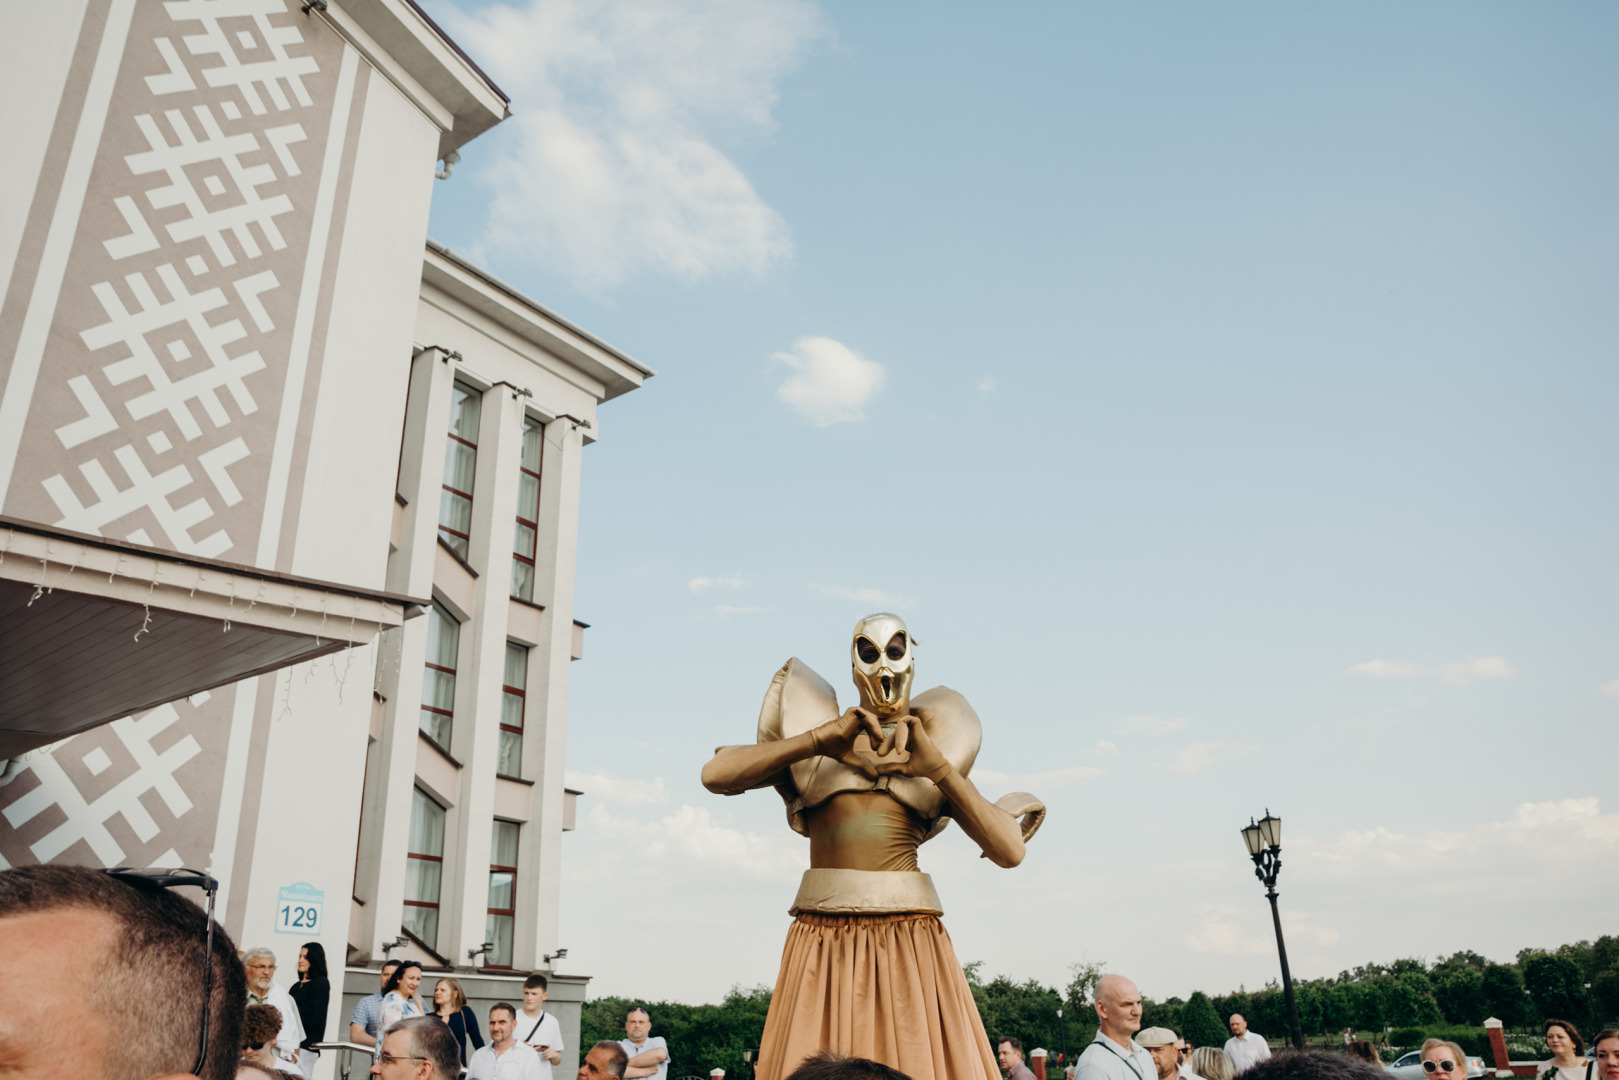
(130, 952)
(1122, 1051)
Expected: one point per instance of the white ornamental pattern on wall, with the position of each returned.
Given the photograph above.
(152, 772)
(184, 327)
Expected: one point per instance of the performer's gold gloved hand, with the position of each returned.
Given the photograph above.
(925, 758)
(835, 738)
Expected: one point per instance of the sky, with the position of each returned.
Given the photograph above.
(1224, 394)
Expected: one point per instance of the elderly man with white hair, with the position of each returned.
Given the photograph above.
(262, 989)
(1115, 1055)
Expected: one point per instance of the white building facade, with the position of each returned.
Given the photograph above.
(231, 374)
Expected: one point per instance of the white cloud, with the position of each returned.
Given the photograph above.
(1458, 673)
(1106, 749)
(602, 788)
(729, 581)
(873, 598)
(1611, 689)
(986, 385)
(1225, 930)
(1151, 725)
(727, 611)
(1484, 667)
(1193, 758)
(693, 841)
(608, 166)
(1386, 669)
(1570, 831)
(1039, 781)
(831, 383)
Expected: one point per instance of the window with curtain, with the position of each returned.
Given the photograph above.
(460, 461)
(438, 678)
(502, 917)
(528, 510)
(514, 696)
(424, 868)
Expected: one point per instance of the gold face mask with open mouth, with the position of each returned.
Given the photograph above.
(884, 663)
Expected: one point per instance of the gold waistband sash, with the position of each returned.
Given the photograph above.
(866, 892)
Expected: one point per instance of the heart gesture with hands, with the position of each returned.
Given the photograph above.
(919, 756)
(925, 759)
(835, 738)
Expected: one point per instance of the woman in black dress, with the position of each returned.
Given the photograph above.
(450, 1005)
(311, 993)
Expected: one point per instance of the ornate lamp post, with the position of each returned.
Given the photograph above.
(1264, 840)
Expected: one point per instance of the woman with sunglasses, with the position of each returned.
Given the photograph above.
(1444, 1060)
(400, 996)
(1568, 1052)
(1607, 1059)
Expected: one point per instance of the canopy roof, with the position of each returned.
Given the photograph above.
(92, 629)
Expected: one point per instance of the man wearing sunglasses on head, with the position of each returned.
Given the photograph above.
(126, 950)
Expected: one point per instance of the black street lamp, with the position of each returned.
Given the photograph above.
(1264, 840)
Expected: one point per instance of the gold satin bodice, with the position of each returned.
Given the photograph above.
(867, 830)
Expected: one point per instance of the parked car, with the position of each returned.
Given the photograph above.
(1408, 1066)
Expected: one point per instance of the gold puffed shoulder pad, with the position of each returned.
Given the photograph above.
(799, 700)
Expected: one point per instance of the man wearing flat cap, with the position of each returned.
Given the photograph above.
(1164, 1047)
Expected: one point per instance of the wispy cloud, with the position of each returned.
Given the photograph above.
(1611, 689)
(874, 598)
(1573, 829)
(1107, 749)
(1230, 930)
(603, 788)
(1039, 781)
(691, 843)
(729, 581)
(1457, 673)
(830, 384)
(1151, 725)
(609, 166)
(986, 385)
(728, 611)
(1195, 757)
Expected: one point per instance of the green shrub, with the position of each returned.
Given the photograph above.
(1407, 1037)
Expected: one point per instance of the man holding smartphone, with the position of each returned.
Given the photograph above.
(539, 1028)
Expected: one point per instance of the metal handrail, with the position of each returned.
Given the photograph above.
(348, 1048)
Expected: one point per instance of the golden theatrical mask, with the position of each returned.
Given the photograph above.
(868, 969)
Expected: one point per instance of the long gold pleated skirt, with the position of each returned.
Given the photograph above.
(884, 987)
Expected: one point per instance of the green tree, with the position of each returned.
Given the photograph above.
(1460, 993)
(1556, 985)
(1202, 1023)
(700, 1037)
(1026, 1011)
(1504, 995)
(1605, 995)
(1079, 1004)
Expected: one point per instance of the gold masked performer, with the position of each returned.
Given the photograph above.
(868, 969)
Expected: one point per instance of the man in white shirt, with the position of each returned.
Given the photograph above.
(504, 1058)
(1114, 1055)
(262, 989)
(648, 1054)
(539, 1028)
(1245, 1048)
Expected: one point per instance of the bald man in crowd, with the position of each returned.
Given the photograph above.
(1114, 1054)
(1245, 1048)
